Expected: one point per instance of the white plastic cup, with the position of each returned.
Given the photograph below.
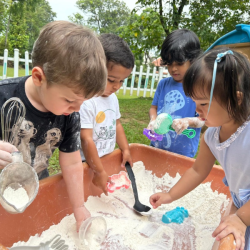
(92, 232)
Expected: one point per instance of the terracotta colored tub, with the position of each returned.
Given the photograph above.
(52, 203)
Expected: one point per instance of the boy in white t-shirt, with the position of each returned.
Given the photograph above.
(100, 116)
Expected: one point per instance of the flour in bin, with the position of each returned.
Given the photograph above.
(127, 230)
(19, 197)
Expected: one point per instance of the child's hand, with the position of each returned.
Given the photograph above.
(126, 157)
(160, 198)
(232, 224)
(100, 180)
(151, 125)
(179, 125)
(5, 153)
(81, 214)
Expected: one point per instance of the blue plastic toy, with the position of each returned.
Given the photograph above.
(176, 215)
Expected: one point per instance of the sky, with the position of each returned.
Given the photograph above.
(65, 8)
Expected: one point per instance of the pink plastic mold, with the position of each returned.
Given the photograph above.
(118, 181)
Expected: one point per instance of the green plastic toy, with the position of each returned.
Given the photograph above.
(163, 124)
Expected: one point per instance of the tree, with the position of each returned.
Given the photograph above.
(3, 14)
(170, 12)
(14, 8)
(217, 18)
(104, 16)
(36, 19)
(23, 24)
(143, 33)
(208, 19)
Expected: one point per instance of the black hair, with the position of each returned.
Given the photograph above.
(180, 46)
(233, 74)
(117, 50)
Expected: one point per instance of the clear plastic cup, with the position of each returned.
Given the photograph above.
(92, 232)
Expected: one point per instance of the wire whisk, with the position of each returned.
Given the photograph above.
(13, 113)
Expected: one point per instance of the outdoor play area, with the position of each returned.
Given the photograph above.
(124, 219)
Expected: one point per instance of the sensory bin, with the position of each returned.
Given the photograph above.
(52, 202)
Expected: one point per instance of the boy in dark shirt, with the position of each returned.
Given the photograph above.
(69, 66)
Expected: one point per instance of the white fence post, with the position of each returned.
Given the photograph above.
(146, 82)
(132, 81)
(156, 76)
(152, 82)
(27, 63)
(125, 86)
(5, 60)
(16, 62)
(160, 74)
(139, 81)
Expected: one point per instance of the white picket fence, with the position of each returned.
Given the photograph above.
(148, 84)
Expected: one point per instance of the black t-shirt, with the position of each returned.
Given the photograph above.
(40, 132)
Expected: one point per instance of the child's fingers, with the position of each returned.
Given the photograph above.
(218, 230)
(240, 243)
(154, 200)
(222, 231)
(6, 146)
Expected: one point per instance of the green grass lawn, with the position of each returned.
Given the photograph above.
(10, 71)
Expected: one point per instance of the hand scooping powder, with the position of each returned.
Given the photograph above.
(19, 197)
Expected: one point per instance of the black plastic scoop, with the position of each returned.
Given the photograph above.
(138, 207)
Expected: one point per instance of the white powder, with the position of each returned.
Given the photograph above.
(19, 197)
(128, 230)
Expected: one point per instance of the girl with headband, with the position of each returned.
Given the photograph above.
(219, 83)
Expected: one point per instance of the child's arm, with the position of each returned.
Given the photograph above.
(190, 180)
(72, 170)
(181, 124)
(235, 223)
(152, 117)
(100, 178)
(5, 153)
(123, 144)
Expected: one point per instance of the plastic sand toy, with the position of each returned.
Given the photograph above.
(152, 136)
(163, 124)
(118, 181)
(176, 215)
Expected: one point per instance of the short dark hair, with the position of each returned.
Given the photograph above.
(233, 74)
(179, 46)
(117, 50)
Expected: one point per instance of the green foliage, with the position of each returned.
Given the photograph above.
(170, 12)
(208, 19)
(36, 19)
(18, 37)
(143, 33)
(104, 16)
(21, 23)
(217, 18)
(3, 14)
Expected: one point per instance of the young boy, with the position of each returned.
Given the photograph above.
(100, 116)
(178, 51)
(69, 66)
